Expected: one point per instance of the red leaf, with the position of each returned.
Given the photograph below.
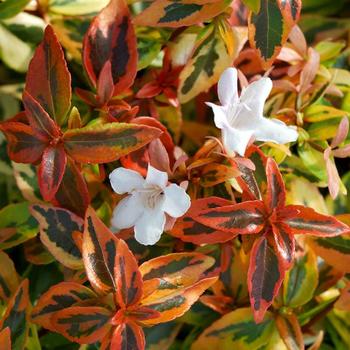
(285, 243)
(99, 253)
(276, 192)
(24, 145)
(38, 118)
(342, 132)
(138, 160)
(105, 143)
(111, 37)
(265, 276)
(73, 193)
(51, 171)
(105, 85)
(128, 336)
(241, 218)
(308, 221)
(48, 79)
(127, 276)
(190, 230)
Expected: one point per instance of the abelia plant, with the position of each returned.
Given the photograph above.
(174, 175)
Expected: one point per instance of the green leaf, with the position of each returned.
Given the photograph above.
(313, 161)
(173, 13)
(16, 225)
(208, 61)
(301, 280)
(236, 330)
(76, 7)
(253, 5)
(107, 142)
(14, 52)
(10, 8)
(59, 231)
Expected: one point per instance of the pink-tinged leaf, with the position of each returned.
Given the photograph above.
(84, 325)
(111, 37)
(310, 69)
(342, 132)
(73, 193)
(51, 171)
(24, 145)
(342, 152)
(5, 339)
(298, 40)
(128, 278)
(190, 230)
(105, 143)
(105, 84)
(242, 218)
(276, 193)
(290, 10)
(308, 221)
(332, 174)
(265, 276)
(128, 336)
(38, 117)
(48, 79)
(285, 243)
(59, 297)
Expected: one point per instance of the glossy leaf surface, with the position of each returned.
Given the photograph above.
(111, 38)
(60, 231)
(106, 142)
(59, 297)
(48, 79)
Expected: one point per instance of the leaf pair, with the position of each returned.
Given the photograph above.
(110, 52)
(273, 252)
(36, 137)
(157, 291)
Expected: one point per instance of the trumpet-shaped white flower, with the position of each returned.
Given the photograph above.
(241, 118)
(147, 203)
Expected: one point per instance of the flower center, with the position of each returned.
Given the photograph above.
(235, 110)
(151, 196)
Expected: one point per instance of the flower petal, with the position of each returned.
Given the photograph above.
(274, 130)
(236, 140)
(227, 87)
(150, 226)
(177, 201)
(156, 177)
(125, 180)
(220, 115)
(128, 210)
(254, 97)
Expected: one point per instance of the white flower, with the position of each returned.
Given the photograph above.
(241, 118)
(147, 203)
